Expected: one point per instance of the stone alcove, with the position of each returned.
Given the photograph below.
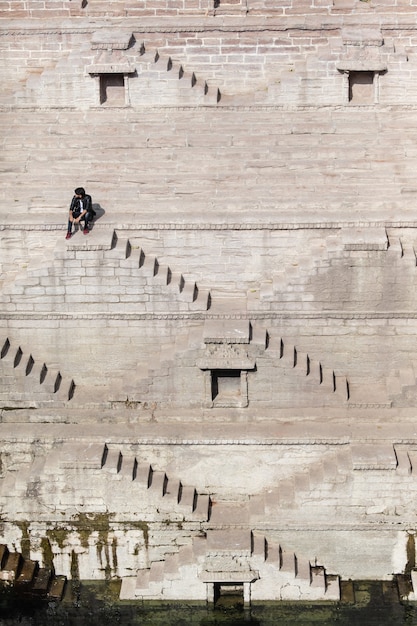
(111, 68)
(226, 363)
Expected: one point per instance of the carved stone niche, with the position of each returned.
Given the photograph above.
(226, 363)
(111, 68)
(362, 60)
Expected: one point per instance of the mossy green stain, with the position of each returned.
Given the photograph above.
(144, 527)
(75, 569)
(25, 540)
(411, 553)
(87, 523)
(47, 554)
(58, 536)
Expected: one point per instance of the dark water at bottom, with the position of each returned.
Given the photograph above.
(97, 605)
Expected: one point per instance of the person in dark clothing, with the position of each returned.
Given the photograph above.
(81, 209)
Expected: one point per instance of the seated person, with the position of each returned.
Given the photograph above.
(81, 209)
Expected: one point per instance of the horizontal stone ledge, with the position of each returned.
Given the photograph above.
(389, 525)
(287, 108)
(261, 441)
(229, 577)
(218, 226)
(253, 316)
(167, 24)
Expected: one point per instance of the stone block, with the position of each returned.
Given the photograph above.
(27, 572)
(4, 553)
(229, 540)
(12, 567)
(57, 588)
(373, 456)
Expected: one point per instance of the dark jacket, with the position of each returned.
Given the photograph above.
(87, 205)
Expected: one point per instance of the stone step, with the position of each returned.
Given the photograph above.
(404, 463)
(412, 456)
(11, 569)
(287, 561)
(128, 467)
(229, 540)
(57, 588)
(332, 587)
(158, 483)
(4, 553)
(230, 513)
(366, 456)
(27, 573)
(42, 581)
(157, 571)
(173, 490)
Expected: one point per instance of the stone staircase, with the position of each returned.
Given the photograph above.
(205, 95)
(25, 576)
(225, 557)
(76, 263)
(302, 364)
(313, 483)
(406, 457)
(176, 494)
(27, 378)
(135, 258)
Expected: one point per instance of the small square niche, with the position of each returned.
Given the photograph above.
(361, 87)
(228, 388)
(112, 89)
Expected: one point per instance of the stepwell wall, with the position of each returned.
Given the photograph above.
(119, 360)
(247, 64)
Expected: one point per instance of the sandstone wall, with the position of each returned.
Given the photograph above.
(130, 8)
(225, 364)
(229, 64)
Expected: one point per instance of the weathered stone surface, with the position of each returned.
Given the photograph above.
(217, 383)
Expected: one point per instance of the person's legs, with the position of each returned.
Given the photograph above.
(69, 228)
(86, 218)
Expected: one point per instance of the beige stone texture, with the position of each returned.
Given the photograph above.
(217, 384)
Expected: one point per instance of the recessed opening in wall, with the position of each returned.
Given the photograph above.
(361, 87)
(228, 595)
(112, 89)
(225, 385)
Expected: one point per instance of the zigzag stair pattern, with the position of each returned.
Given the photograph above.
(25, 576)
(300, 362)
(234, 556)
(176, 68)
(156, 481)
(44, 382)
(311, 480)
(149, 266)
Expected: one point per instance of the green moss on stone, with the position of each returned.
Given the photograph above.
(57, 535)
(411, 553)
(47, 554)
(25, 540)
